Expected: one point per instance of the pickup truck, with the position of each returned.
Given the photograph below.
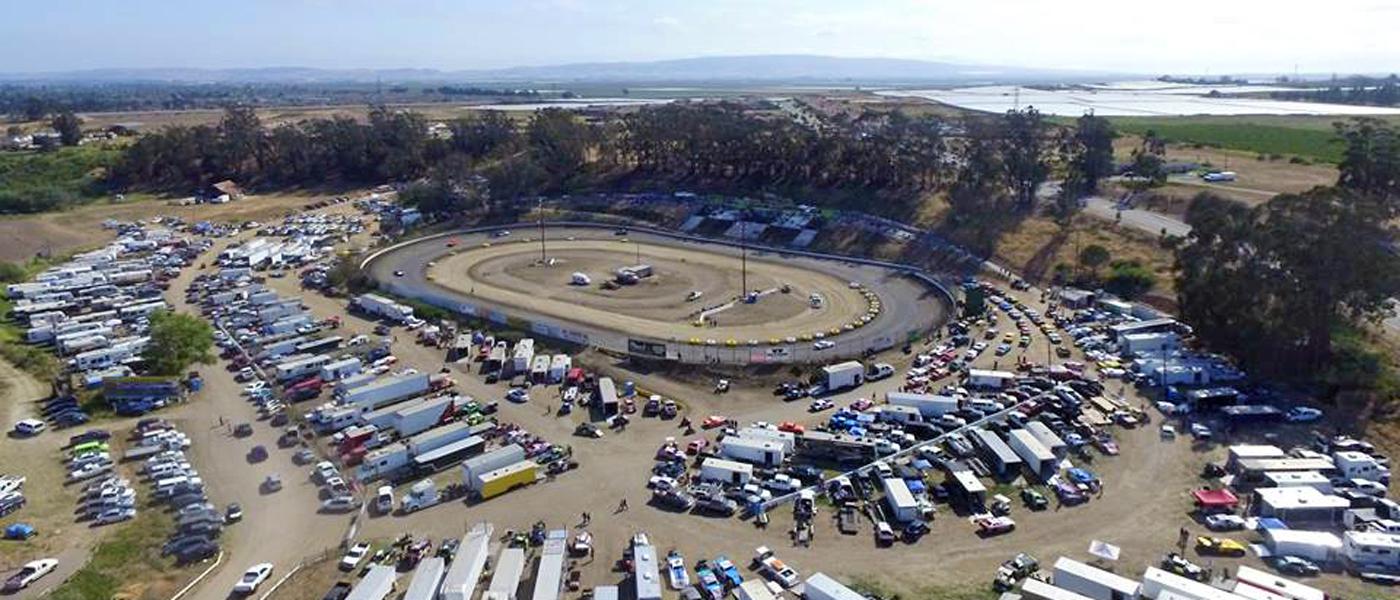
(847, 522)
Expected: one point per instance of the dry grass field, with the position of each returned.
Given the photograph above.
(60, 233)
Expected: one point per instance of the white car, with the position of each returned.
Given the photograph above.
(29, 427)
(1225, 522)
(823, 345)
(252, 578)
(31, 572)
(820, 405)
(353, 557)
(254, 387)
(340, 504)
(1303, 414)
(325, 470)
(518, 395)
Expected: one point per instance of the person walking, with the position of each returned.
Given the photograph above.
(622, 506)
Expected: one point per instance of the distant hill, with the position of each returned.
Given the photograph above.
(755, 69)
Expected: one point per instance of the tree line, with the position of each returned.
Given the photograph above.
(1276, 284)
(1365, 91)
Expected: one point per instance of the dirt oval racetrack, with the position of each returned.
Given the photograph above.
(689, 301)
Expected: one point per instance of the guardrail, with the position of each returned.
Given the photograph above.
(705, 353)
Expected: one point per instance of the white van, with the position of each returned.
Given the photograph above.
(384, 500)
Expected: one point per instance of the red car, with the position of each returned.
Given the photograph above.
(696, 445)
(714, 421)
(862, 405)
(791, 427)
(452, 242)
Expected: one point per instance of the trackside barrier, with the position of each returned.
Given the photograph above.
(189, 586)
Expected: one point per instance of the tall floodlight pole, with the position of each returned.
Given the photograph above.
(540, 210)
(743, 257)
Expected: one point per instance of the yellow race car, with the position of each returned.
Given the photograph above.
(1215, 546)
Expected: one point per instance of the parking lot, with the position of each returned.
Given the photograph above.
(1135, 496)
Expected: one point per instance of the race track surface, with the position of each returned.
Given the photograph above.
(488, 274)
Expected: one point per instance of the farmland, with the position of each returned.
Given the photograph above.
(1307, 137)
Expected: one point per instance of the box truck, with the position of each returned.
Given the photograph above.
(841, 376)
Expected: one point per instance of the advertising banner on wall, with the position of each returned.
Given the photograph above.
(646, 348)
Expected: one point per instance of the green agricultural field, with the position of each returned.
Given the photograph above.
(33, 182)
(1308, 137)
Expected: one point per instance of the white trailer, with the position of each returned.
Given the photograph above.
(1035, 456)
(903, 507)
(549, 577)
(931, 406)
(354, 382)
(384, 461)
(1047, 438)
(842, 376)
(559, 366)
(522, 355)
(647, 573)
(340, 369)
(299, 367)
(539, 368)
(461, 579)
(379, 306)
(413, 417)
(1157, 583)
(764, 453)
(988, 379)
(387, 391)
(377, 584)
(426, 579)
(473, 468)
(787, 440)
(726, 471)
(822, 587)
(1093, 582)
(607, 396)
(505, 580)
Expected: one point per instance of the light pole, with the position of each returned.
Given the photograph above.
(743, 258)
(540, 209)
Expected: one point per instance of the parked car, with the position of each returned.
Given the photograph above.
(29, 573)
(1293, 565)
(1225, 522)
(353, 556)
(252, 578)
(1210, 545)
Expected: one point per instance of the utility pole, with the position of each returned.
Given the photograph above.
(540, 209)
(743, 258)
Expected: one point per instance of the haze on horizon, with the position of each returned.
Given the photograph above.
(1186, 36)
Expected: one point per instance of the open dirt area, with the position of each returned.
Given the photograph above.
(1258, 180)
(64, 232)
(656, 306)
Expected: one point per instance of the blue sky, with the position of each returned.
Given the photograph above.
(1176, 36)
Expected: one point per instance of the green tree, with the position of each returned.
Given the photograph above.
(1092, 257)
(69, 128)
(1371, 162)
(1271, 283)
(558, 143)
(1090, 152)
(1129, 279)
(1023, 151)
(177, 341)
